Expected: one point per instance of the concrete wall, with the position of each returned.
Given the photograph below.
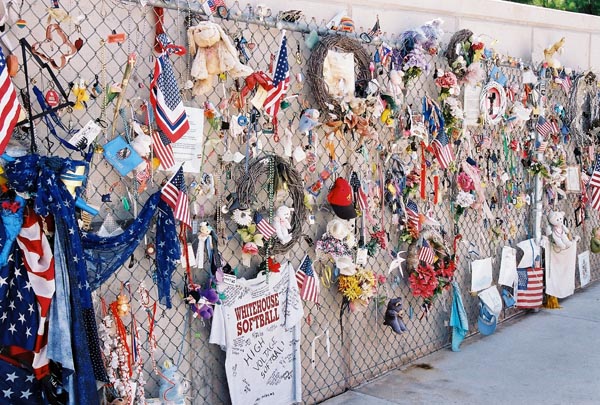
(521, 31)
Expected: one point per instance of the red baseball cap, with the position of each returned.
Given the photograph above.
(340, 198)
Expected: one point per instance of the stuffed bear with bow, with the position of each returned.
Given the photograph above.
(558, 233)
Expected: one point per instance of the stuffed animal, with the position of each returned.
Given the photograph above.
(12, 218)
(549, 60)
(282, 225)
(393, 315)
(172, 385)
(213, 54)
(595, 241)
(558, 233)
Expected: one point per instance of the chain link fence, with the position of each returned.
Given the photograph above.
(340, 349)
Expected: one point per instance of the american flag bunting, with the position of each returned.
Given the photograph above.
(9, 105)
(308, 284)
(174, 193)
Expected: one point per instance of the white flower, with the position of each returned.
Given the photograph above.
(465, 199)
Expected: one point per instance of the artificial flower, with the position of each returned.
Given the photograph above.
(465, 182)
(250, 248)
(464, 199)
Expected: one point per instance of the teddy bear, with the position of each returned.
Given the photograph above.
(558, 233)
(213, 54)
(393, 316)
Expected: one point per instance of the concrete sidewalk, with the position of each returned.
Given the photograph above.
(549, 357)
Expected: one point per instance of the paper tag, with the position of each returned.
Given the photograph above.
(190, 255)
(52, 98)
(311, 219)
(194, 226)
(86, 135)
(229, 279)
(361, 256)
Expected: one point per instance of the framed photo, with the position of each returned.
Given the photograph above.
(573, 180)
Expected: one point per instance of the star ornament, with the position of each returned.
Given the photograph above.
(396, 262)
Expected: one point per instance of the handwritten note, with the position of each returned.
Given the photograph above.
(188, 149)
(471, 104)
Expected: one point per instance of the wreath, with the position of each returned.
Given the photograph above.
(431, 265)
(314, 74)
(273, 173)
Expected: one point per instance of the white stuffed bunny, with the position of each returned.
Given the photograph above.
(282, 224)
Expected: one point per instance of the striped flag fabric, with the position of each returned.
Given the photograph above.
(308, 284)
(594, 184)
(163, 149)
(9, 105)
(595, 177)
(565, 83)
(530, 288)
(165, 98)
(281, 81)
(412, 213)
(174, 193)
(544, 127)
(541, 146)
(263, 226)
(442, 149)
(426, 253)
(362, 200)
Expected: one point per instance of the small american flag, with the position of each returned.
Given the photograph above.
(412, 212)
(9, 105)
(426, 253)
(213, 5)
(263, 226)
(163, 149)
(565, 83)
(165, 98)
(442, 149)
(174, 193)
(362, 200)
(541, 146)
(281, 82)
(308, 284)
(544, 127)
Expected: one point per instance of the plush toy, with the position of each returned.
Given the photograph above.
(549, 60)
(171, 385)
(558, 233)
(282, 225)
(213, 54)
(595, 241)
(393, 316)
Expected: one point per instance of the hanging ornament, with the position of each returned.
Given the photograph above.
(123, 305)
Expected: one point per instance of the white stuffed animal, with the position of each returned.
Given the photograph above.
(282, 224)
(558, 233)
(214, 54)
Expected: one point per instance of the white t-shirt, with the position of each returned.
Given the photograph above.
(258, 325)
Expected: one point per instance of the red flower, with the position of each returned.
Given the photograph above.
(447, 80)
(446, 270)
(423, 282)
(476, 46)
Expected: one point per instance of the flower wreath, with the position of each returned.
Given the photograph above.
(431, 265)
(276, 174)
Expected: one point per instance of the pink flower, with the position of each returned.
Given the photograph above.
(381, 279)
(447, 80)
(465, 182)
(250, 248)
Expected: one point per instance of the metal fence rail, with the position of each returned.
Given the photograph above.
(339, 349)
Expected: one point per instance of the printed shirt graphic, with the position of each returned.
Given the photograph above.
(258, 325)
